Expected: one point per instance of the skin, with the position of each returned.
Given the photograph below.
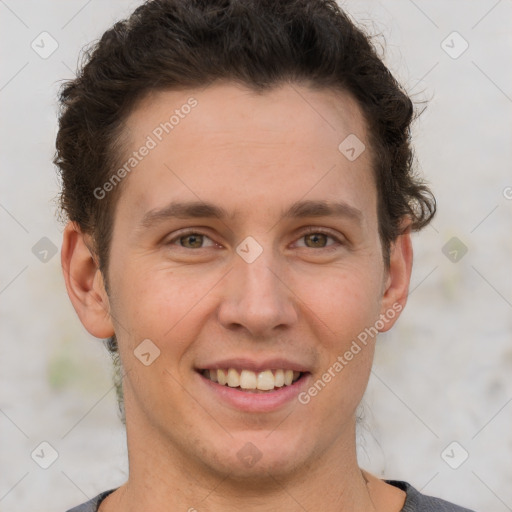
(302, 298)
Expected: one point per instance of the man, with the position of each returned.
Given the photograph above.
(238, 182)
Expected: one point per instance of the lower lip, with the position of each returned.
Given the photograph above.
(256, 402)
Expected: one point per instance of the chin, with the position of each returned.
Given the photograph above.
(252, 457)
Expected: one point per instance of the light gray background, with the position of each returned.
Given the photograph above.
(442, 374)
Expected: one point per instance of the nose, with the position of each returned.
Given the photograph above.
(257, 298)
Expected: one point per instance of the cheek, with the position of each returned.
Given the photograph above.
(160, 304)
(344, 307)
(345, 300)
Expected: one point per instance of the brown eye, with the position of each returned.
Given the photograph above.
(316, 239)
(195, 241)
(191, 240)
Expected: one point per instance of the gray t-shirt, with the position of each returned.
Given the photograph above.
(414, 501)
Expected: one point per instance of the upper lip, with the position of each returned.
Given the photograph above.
(243, 363)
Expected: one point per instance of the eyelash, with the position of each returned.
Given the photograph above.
(308, 231)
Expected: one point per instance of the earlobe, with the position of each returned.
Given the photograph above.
(84, 283)
(398, 278)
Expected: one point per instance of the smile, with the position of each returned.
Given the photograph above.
(248, 380)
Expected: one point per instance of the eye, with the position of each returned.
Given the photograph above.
(315, 238)
(191, 240)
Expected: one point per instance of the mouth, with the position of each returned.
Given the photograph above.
(245, 380)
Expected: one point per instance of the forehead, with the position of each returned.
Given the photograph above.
(246, 115)
(278, 145)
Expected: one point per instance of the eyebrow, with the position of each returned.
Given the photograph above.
(201, 209)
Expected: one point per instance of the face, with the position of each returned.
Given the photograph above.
(245, 244)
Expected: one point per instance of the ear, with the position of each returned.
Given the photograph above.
(84, 282)
(398, 277)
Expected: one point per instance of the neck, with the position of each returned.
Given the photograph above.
(162, 480)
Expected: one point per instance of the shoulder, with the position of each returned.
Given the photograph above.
(414, 502)
(93, 504)
(417, 502)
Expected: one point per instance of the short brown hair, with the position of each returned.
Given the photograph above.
(175, 44)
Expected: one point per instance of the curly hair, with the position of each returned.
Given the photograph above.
(179, 44)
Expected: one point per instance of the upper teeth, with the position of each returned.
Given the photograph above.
(247, 379)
